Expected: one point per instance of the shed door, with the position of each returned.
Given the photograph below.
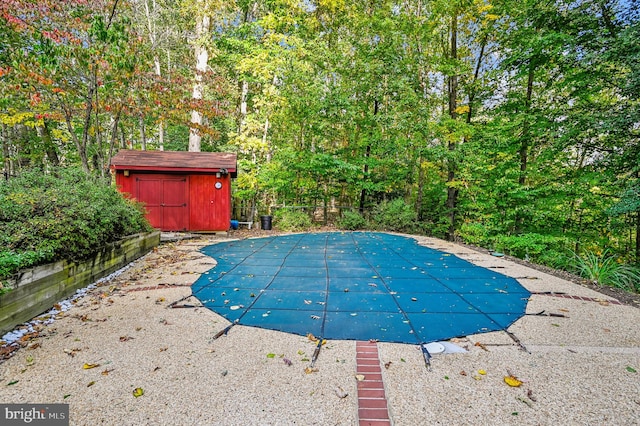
(165, 198)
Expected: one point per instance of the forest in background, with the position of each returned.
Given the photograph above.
(513, 125)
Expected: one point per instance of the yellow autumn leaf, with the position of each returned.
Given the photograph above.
(137, 392)
(462, 109)
(482, 372)
(88, 366)
(512, 381)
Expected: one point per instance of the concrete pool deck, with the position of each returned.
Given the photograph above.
(578, 360)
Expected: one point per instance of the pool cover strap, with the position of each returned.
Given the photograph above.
(356, 286)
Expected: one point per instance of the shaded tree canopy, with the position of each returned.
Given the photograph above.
(502, 123)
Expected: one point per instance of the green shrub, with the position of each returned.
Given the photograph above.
(292, 220)
(605, 269)
(474, 233)
(66, 215)
(352, 221)
(394, 215)
(533, 247)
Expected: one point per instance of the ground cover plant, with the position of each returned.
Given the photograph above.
(63, 214)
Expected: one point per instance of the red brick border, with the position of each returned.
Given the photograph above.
(586, 299)
(154, 287)
(372, 401)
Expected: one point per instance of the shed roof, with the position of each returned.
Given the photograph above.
(174, 161)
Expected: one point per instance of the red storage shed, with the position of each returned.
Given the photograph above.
(182, 191)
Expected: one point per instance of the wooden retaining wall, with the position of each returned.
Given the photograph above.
(36, 290)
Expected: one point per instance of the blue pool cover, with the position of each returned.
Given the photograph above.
(356, 286)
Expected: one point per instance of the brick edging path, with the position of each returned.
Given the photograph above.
(372, 401)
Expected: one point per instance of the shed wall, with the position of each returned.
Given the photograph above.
(179, 201)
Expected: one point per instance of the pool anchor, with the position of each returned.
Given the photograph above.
(427, 356)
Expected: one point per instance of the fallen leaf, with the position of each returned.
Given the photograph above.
(125, 338)
(387, 365)
(13, 382)
(525, 401)
(287, 361)
(91, 384)
(482, 372)
(476, 377)
(88, 366)
(360, 377)
(6, 351)
(66, 396)
(138, 392)
(270, 355)
(310, 370)
(463, 373)
(512, 381)
(340, 392)
(631, 370)
(156, 369)
(482, 346)
(530, 395)
(106, 372)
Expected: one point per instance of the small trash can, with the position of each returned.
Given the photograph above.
(265, 222)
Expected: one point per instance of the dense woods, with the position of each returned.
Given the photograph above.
(514, 125)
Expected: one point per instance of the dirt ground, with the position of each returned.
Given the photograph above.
(121, 355)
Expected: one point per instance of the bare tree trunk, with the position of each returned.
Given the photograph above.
(114, 133)
(452, 191)
(202, 58)
(244, 92)
(524, 144)
(363, 191)
(49, 146)
(143, 134)
(7, 164)
(81, 143)
(420, 189)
